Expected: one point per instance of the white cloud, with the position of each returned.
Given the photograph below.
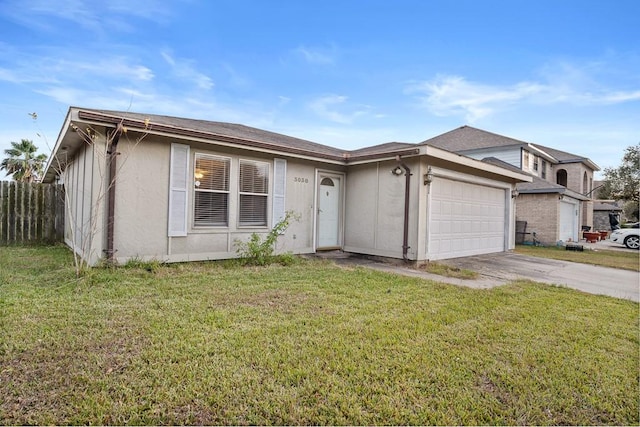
(315, 56)
(114, 67)
(183, 69)
(55, 69)
(328, 107)
(450, 95)
(454, 95)
(99, 17)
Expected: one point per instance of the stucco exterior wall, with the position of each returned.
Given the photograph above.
(542, 215)
(142, 205)
(141, 202)
(374, 214)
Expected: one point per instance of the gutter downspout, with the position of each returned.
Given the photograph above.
(112, 150)
(407, 187)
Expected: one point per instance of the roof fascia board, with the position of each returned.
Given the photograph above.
(379, 157)
(584, 160)
(543, 153)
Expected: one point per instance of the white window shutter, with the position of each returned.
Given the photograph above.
(178, 190)
(279, 189)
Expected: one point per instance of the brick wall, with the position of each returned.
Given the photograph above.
(587, 214)
(542, 215)
(575, 177)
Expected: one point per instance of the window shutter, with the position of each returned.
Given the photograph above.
(279, 189)
(178, 185)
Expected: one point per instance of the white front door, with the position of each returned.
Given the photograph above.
(328, 212)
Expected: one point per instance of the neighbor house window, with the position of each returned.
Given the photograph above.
(254, 193)
(211, 180)
(543, 173)
(535, 163)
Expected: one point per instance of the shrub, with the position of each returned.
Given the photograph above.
(258, 250)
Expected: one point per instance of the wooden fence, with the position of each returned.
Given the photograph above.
(31, 213)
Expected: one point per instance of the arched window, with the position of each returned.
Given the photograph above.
(561, 177)
(585, 183)
(327, 181)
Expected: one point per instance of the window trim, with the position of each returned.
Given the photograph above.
(227, 192)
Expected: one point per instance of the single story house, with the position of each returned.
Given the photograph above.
(153, 187)
(601, 211)
(557, 202)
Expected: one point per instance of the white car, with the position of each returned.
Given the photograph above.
(630, 237)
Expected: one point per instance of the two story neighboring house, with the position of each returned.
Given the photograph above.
(558, 200)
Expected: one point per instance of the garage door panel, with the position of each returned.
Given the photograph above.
(466, 219)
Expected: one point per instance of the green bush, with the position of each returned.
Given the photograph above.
(259, 251)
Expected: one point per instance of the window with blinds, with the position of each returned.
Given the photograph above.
(211, 180)
(253, 192)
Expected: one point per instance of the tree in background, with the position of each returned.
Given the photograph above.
(22, 163)
(623, 182)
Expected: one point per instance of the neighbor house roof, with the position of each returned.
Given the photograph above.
(466, 139)
(537, 185)
(601, 206)
(564, 157)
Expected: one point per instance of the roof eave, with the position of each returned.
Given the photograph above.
(553, 190)
(166, 130)
(50, 172)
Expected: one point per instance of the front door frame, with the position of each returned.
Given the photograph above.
(320, 174)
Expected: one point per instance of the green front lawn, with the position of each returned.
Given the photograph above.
(310, 343)
(604, 258)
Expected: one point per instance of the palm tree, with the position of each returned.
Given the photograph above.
(22, 162)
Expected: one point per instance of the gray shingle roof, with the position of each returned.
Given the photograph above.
(600, 206)
(212, 128)
(538, 185)
(561, 156)
(469, 138)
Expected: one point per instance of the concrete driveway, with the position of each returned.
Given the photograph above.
(504, 267)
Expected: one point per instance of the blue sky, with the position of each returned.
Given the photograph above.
(344, 73)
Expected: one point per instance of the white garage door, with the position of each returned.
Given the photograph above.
(466, 219)
(568, 222)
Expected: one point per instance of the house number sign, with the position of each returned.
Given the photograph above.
(301, 180)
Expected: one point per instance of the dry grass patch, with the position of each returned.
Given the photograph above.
(449, 271)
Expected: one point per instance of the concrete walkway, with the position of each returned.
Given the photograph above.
(501, 268)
